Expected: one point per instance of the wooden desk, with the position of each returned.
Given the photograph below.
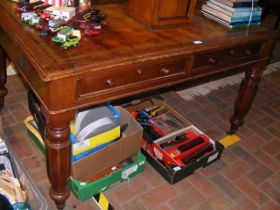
(128, 59)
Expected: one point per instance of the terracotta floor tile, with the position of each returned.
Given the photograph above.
(227, 187)
(252, 191)
(236, 170)
(203, 184)
(156, 196)
(272, 147)
(272, 192)
(217, 202)
(186, 200)
(259, 174)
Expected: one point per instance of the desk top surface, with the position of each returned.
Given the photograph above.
(123, 41)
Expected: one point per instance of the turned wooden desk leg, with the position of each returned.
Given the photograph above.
(58, 158)
(247, 92)
(3, 76)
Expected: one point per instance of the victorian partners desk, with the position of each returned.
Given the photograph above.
(127, 59)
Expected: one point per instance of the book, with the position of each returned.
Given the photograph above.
(226, 7)
(238, 4)
(227, 18)
(232, 26)
(237, 13)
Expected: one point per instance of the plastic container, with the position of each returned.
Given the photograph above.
(35, 199)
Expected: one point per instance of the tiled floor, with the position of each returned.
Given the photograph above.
(247, 177)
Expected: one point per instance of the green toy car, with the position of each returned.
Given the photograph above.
(71, 41)
(58, 39)
(62, 34)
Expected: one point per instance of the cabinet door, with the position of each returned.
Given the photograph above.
(173, 8)
(183, 8)
(168, 8)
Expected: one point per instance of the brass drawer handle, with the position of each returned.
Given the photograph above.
(248, 52)
(139, 71)
(110, 83)
(212, 61)
(165, 71)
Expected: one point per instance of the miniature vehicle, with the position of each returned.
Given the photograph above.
(34, 20)
(42, 24)
(63, 34)
(58, 39)
(56, 24)
(92, 31)
(27, 16)
(45, 15)
(40, 9)
(25, 6)
(71, 41)
(94, 16)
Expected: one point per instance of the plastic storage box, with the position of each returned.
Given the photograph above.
(35, 199)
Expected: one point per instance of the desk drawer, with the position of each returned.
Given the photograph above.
(131, 76)
(225, 55)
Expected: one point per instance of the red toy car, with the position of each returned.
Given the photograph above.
(92, 32)
(43, 24)
(45, 15)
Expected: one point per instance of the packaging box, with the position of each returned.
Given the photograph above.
(84, 190)
(171, 173)
(86, 168)
(128, 145)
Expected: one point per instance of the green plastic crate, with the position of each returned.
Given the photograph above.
(84, 190)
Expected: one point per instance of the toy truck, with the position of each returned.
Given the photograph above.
(62, 34)
(27, 16)
(34, 20)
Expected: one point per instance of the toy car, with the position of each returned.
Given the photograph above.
(25, 6)
(71, 42)
(34, 20)
(62, 34)
(92, 31)
(43, 24)
(27, 16)
(45, 15)
(56, 24)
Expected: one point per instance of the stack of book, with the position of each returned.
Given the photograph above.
(233, 13)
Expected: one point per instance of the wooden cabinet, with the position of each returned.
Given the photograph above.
(156, 13)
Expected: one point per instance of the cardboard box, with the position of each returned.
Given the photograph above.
(84, 190)
(174, 174)
(128, 145)
(86, 168)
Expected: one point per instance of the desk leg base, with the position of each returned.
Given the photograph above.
(247, 93)
(59, 199)
(235, 124)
